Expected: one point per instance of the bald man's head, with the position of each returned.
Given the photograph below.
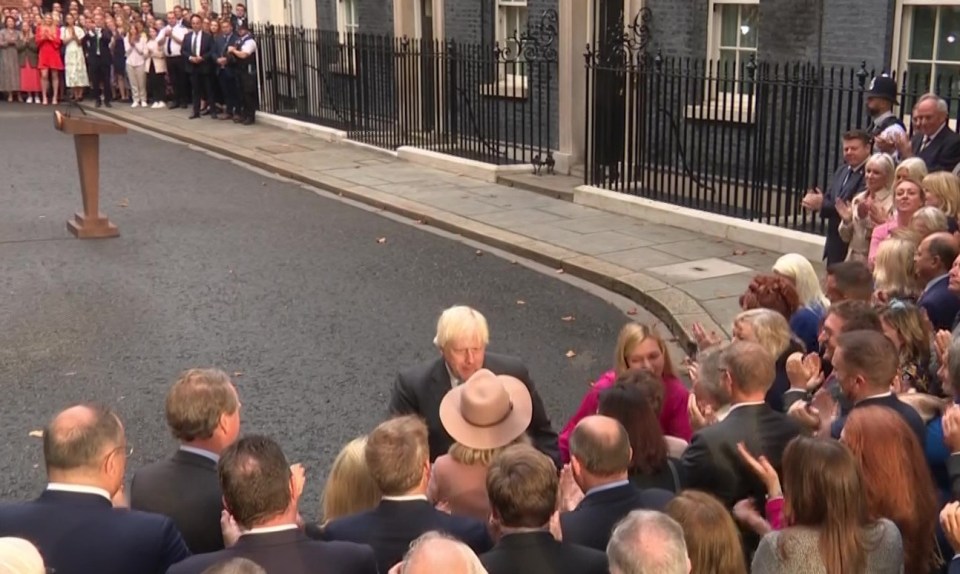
(601, 446)
(79, 437)
(434, 552)
(935, 255)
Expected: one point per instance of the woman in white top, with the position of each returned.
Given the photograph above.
(868, 208)
(75, 66)
(156, 68)
(135, 44)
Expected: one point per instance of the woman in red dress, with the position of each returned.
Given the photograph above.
(50, 61)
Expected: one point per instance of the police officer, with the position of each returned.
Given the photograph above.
(885, 128)
(244, 52)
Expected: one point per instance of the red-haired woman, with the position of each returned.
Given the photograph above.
(896, 481)
(829, 527)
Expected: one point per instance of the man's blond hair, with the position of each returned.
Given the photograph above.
(196, 402)
(461, 323)
(396, 453)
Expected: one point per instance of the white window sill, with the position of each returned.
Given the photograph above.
(511, 87)
(738, 110)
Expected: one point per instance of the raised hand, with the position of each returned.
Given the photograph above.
(950, 520)
(813, 200)
(746, 513)
(843, 209)
(804, 371)
(299, 479)
(229, 528)
(951, 428)
(699, 418)
(763, 469)
(705, 340)
(570, 493)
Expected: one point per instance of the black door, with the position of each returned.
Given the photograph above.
(609, 101)
(428, 67)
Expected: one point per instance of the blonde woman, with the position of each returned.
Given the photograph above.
(135, 48)
(911, 168)
(904, 325)
(771, 331)
(638, 347)
(869, 208)
(350, 488)
(484, 415)
(928, 220)
(908, 199)
(893, 276)
(18, 556)
(75, 64)
(941, 189)
(805, 321)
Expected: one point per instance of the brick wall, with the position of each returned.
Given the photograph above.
(852, 33)
(678, 27)
(788, 30)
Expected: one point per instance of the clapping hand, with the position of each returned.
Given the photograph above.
(229, 528)
(745, 512)
(705, 340)
(941, 342)
(804, 413)
(763, 469)
(699, 418)
(843, 209)
(813, 200)
(951, 428)
(950, 520)
(903, 145)
(299, 476)
(570, 493)
(804, 371)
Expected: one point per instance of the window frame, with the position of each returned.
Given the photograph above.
(903, 20)
(347, 37)
(509, 85)
(722, 105)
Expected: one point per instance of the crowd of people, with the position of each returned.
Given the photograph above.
(823, 437)
(205, 62)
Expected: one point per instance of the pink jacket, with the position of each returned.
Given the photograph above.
(673, 417)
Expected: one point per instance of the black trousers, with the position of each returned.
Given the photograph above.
(248, 95)
(202, 90)
(230, 88)
(156, 87)
(178, 79)
(99, 70)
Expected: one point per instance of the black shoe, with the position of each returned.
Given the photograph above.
(193, 116)
(213, 116)
(107, 104)
(99, 104)
(173, 106)
(247, 122)
(205, 112)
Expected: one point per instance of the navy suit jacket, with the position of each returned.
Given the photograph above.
(954, 566)
(89, 43)
(539, 553)
(288, 552)
(909, 414)
(206, 52)
(82, 533)
(393, 525)
(591, 522)
(835, 249)
(943, 153)
(940, 304)
(420, 389)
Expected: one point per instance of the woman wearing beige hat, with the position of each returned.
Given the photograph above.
(484, 415)
(18, 556)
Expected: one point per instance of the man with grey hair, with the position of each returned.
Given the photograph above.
(435, 552)
(933, 142)
(462, 338)
(648, 542)
(236, 566)
(710, 399)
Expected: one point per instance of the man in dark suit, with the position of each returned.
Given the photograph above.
(399, 462)
(711, 462)
(227, 71)
(846, 182)
(848, 280)
(203, 413)
(73, 523)
(600, 456)
(935, 255)
(865, 364)
(261, 492)
(462, 337)
(522, 486)
(197, 51)
(934, 142)
(96, 46)
(239, 17)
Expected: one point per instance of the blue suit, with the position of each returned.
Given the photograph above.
(844, 184)
(940, 304)
(79, 533)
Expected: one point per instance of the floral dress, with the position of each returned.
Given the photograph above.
(73, 59)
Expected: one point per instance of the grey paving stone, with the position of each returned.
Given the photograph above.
(461, 206)
(515, 218)
(596, 223)
(640, 259)
(704, 247)
(718, 287)
(658, 233)
(724, 310)
(698, 269)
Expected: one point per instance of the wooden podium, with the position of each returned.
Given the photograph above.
(86, 132)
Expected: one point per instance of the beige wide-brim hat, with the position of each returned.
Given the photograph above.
(487, 411)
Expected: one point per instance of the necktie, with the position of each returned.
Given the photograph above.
(196, 44)
(170, 44)
(98, 41)
(846, 177)
(926, 142)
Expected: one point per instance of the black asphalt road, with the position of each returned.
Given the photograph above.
(287, 289)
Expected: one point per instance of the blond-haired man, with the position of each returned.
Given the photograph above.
(203, 413)
(397, 456)
(462, 338)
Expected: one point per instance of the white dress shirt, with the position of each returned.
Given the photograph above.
(200, 452)
(78, 488)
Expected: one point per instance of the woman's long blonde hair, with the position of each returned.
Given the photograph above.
(893, 266)
(800, 271)
(946, 187)
(771, 330)
(631, 335)
(350, 487)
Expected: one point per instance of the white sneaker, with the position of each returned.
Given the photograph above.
(135, 104)
(161, 105)
(29, 99)
(143, 103)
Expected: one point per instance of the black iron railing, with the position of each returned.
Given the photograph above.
(492, 103)
(745, 139)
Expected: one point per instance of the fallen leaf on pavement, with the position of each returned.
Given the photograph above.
(238, 373)
(381, 240)
(124, 202)
(559, 270)
(568, 318)
(521, 302)
(36, 433)
(632, 311)
(478, 253)
(739, 252)
(70, 374)
(571, 354)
